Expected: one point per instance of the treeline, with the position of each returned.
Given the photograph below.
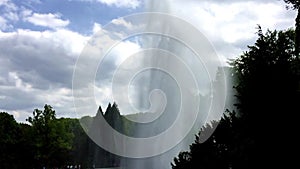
(52, 142)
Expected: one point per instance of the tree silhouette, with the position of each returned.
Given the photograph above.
(296, 5)
(8, 140)
(260, 133)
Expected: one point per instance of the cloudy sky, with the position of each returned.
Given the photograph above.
(40, 40)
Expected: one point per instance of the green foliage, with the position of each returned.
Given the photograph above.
(267, 86)
(8, 140)
(8, 129)
(51, 138)
(267, 76)
(25, 147)
(51, 142)
(47, 142)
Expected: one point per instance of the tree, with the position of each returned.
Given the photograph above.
(268, 94)
(99, 157)
(8, 140)
(216, 152)
(267, 89)
(295, 4)
(15, 143)
(25, 147)
(80, 143)
(52, 141)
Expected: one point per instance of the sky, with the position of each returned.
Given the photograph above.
(40, 41)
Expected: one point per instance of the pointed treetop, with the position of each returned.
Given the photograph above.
(115, 108)
(109, 106)
(100, 109)
(108, 109)
(115, 105)
(99, 112)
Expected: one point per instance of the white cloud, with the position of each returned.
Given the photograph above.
(37, 66)
(25, 13)
(47, 20)
(97, 27)
(229, 23)
(122, 22)
(124, 50)
(14, 78)
(8, 14)
(122, 3)
(72, 42)
(36, 69)
(103, 95)
(58, 97)
(2, 2)
(12, 16)
(8, 5)
(3, 23)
